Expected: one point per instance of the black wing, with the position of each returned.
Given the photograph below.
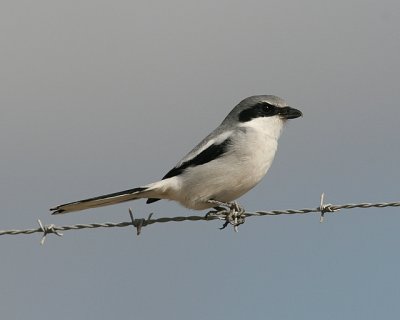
(213, 152)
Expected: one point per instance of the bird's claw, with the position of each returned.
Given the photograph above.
(232, 213)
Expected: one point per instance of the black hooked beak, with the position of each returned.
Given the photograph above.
(289, 113)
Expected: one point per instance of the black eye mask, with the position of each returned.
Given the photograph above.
(261, 109)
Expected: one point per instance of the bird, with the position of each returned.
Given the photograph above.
(225, 165)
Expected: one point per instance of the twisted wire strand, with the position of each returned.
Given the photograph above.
(139, 223)
(329, 207)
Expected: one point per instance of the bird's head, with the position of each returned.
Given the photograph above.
(264, 106)
(263, 112)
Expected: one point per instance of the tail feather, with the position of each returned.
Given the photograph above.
(104, 200)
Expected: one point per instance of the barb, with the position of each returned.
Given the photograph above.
(46, 230)
(233, 215)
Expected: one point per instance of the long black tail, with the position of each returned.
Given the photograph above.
(104, 200)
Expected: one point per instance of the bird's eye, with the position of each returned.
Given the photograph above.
(268, 109)
(262, 105)
(267, 106)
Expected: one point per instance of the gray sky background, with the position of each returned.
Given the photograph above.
(100, 96)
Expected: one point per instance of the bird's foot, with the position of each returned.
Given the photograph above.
(231, 212)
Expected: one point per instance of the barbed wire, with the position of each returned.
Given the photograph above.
(231, 214)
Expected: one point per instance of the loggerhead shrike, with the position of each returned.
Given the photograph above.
(230, 161)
